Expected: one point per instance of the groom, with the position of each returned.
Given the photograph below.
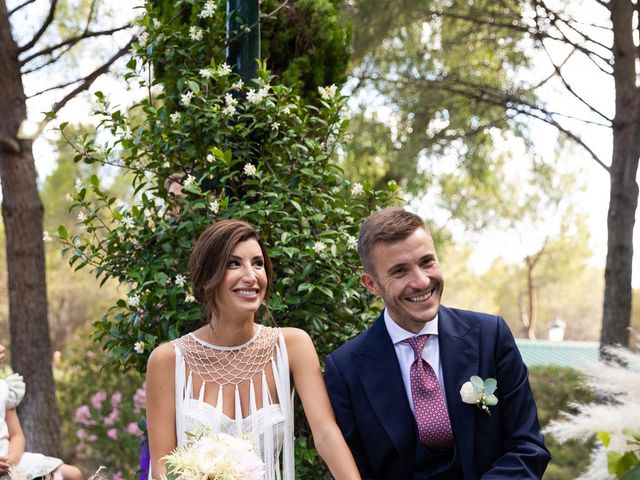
(395, 388)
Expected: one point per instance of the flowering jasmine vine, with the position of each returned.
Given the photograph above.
(46, 237)
(238, 85)
(327, 93)
(352, 241)
(128, 222)
(195, 33)
(210, 158)
(357, 189)
(133, 300)
(224, 70)
(186, 97)
(180, 280)
(81, 217)
(214, 207)
(68, 197)
(318, 247)
(205, 73)
(208, 10)
(190, 298)
(190, 180)
(275, 126)
(175, 117)
(143, 38)
(138, 347)
(249, 169)
(480, 393)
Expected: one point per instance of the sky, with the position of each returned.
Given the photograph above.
(489, 244)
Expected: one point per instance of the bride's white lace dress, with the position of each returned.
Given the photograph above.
(240, 375)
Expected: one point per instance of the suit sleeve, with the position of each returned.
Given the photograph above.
(525, 456)
(345, 416)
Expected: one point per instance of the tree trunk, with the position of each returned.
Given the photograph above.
(22, 213)
(623, 199)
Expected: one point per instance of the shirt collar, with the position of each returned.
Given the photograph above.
(398, 334)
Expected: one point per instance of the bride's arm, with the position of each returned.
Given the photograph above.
(308, 380)
(161, 409)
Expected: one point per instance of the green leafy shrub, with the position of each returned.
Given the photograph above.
(101, 409)
(555, 389)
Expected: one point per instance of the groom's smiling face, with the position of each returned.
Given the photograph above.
(407, 276)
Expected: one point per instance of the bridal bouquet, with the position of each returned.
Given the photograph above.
(215, 457)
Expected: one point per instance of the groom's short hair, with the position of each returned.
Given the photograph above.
(388, 225)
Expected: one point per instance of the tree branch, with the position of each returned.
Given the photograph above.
(72, 41)
(64, 85)
(43, 28)
(570, 88)
(21, 6)
(85, 85)
(9, 145)
(51, 60)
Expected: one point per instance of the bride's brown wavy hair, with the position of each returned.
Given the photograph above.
(210, 255)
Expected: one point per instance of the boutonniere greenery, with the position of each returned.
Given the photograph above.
(480, 392)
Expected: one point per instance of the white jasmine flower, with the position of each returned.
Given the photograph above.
(249, 169)
(357, 189)
(190, 180)
(127, 133)
(46, 237)
(138, 347)
(210, 158)
(68, 197)
(81, 217)
(205, 73)
(156, 23)
(319, 247)
(190, 298)
(175, 117)
(166, 165)
(180, 280)
(327, 93)
(208, 10)
(275, 126)
(238, 85)
(352, 241)
(128, 222)
(143, 38)
(224, 70)
(229, 100)
(286, 110)
(78, 184)
(195, 33)
(252, 96)
(133, 300)
(229, 110)
(186, 98)
(214, 207)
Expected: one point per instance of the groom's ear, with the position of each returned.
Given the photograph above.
(370, 283)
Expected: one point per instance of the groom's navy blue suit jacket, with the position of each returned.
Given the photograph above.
(371, 406)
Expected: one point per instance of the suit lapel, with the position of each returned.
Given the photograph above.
(379, 372)
(459, 341)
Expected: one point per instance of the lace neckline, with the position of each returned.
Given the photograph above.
(231, 347)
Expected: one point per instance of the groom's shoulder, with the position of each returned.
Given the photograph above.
(485, 321)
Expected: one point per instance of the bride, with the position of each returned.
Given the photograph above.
(232, 375)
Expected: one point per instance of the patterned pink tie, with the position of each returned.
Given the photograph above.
(429, 402)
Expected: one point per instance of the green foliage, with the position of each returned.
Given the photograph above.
(555, 389)
(100, 408)
(256, 152)
(432, 68)
(304, 43)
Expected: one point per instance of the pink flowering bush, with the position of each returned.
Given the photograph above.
(102, 410)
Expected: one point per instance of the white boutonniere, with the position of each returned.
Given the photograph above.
(480, 392)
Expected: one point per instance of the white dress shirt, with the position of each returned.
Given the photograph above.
(404, 352)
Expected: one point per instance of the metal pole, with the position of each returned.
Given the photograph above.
(243, 36)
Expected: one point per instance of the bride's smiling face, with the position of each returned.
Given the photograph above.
(244, 284)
